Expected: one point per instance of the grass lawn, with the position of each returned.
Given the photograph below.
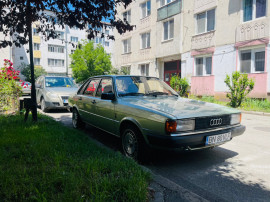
(46, 161)
(248, 105)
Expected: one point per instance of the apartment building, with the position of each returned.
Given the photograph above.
(54, 54)
(5, 53)
(202, 40)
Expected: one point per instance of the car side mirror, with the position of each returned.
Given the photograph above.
(38, 85)
(107, 96)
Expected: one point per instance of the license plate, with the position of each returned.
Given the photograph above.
(217, 139)
(65, 101)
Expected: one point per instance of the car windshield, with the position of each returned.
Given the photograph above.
(139, 85)
(59, 82)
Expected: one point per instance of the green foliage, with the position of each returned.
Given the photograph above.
(179, 84)
(26, 71)
(125, 71)
(89, 61)
(240, 86)
(10, 90)
(114, 71)
(47, 161)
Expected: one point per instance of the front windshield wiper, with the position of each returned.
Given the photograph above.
(130, 94)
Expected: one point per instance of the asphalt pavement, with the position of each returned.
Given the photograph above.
(236, 171)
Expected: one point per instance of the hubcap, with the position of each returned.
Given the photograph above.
(130, 144)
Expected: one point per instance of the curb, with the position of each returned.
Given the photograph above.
(182, 194)
(256, 113)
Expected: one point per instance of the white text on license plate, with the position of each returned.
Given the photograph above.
(216, 139)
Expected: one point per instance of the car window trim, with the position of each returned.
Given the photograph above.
(100, 83)
(91, 79)
(82, 88)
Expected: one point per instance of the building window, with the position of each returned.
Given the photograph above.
(74, 39)
(36, 61)
(21, 58)
(127, 16)
(127, 45)
(60, 35)
(56, 49)
(145, 69)
(56, 63)
(99, 40)
(145, 40)
(146, 9)
(107, 32)
(35, 33)
(252, 61)
(168, 30)
(206, 21)
(72, 51)
(36, 46)
(254, 9)
(107, 43)
(165, 2)
(203, 66)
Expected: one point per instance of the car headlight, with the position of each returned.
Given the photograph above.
(180, 125)
(52, 95)
(185, 125)
(236, 119)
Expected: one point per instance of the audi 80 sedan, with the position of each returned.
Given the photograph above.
(146, 113)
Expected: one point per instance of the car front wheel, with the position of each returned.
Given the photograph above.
(133, 144)
(76, 119)
(43, 105)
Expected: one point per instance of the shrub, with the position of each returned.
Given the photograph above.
(240, 86)
(179, 84)
(26, 71)
(10, 90)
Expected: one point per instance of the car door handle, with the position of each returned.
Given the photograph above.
(94, 102)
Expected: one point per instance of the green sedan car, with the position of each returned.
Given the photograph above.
(146, 113)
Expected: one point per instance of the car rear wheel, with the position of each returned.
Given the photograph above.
(43, 105)
(133, 144)
(76, 119)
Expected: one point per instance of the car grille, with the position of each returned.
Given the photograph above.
(204, 122)
(57, 104)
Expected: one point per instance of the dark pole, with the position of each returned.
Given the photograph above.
(33, 89)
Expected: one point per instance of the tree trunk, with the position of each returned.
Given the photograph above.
(33, 89)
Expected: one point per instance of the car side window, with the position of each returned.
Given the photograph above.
(91, 88)
(81, 89)
(105, 86)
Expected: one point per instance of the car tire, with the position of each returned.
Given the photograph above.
(134, 145)
(76, 119)
(43, 106)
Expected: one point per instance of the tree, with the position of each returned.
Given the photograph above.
(240, 86)
(89, 61)
(26, 71)
(16, 20)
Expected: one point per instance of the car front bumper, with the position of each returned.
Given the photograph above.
(56, 105)
(191, 141)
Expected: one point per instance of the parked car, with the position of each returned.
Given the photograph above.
(147, 113)
(53, 92)
(26, 88)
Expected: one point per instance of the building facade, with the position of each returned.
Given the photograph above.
(5, 53)
(54, 54)
(202, 40)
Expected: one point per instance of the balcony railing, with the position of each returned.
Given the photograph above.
(169, 10)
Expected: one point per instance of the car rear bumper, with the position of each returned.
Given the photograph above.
(192, 141)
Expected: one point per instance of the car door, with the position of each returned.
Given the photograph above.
(87, 102)
(105, 109)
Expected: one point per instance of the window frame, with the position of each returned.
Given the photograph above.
(165, 2)
(36, 46)
(54, 62)
(169, 30)
(146, 14)
(145, 66)
(100, 84)
(86, 86)
(148, 39)
(74, 37)
(128, 14)
(35, 61)
(204, 58)
(254, 13)
(55, 48)
(252, 60)
(206, 22)
(60, 35)
(128, 46)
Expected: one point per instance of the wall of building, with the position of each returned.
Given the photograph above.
(5, 53)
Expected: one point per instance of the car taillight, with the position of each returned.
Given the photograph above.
(171, 126)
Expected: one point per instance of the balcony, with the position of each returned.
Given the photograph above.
(169, 10)
(253, 30)
(202, 41)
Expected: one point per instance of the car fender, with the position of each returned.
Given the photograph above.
(135, 122)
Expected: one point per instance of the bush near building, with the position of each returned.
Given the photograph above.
(10, 90)
(26, 71)
(180, 85)
(240, 86)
